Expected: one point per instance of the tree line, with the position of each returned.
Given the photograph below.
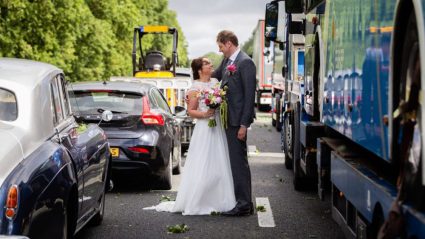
(89, 39)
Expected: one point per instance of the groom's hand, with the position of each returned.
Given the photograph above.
(242, 133)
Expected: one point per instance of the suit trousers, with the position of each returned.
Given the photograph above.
(240, 168)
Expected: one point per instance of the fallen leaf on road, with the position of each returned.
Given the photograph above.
(166, 199)
(260, 208)
(179, 228)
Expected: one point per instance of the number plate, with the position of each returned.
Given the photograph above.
(115, 152)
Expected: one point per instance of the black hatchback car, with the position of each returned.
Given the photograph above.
(143, 133)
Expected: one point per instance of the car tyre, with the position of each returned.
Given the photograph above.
(177, 153)
(98, 218)
(166, 178)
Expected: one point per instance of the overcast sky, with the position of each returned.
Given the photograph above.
(201, 20)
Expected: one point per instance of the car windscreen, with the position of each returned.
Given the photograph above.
(8, 105)
(95, 102)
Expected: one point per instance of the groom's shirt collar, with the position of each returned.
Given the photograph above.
(232, 58)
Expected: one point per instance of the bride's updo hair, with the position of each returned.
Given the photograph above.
(196, 67)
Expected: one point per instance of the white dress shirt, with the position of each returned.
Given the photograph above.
(232, 58)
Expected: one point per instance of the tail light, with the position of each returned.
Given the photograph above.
(12, 202)
(139, 150)
(148, 117)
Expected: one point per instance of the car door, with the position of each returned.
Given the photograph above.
(63, 129)
(86, 149)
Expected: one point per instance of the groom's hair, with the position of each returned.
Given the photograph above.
(226, 35)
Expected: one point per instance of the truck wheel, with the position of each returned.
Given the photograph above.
(288, 142)
(278, 110)
(258, 100)
(297, 180)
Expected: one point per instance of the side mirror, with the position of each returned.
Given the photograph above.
(294, 6)
(271, 19)
(180, 111)
(107, 115)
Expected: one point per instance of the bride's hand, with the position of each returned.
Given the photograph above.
(209, 113)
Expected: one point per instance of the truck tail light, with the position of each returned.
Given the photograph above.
(148, 117)
(12, 202)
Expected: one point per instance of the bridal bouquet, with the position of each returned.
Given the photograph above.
(214, 98)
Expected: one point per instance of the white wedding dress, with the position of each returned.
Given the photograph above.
(207, 183)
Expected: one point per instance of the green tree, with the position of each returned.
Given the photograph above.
(247, 46)
(88, 39)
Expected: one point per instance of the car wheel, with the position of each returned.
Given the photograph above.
(178, 155)
(166, 178)
(98, 218)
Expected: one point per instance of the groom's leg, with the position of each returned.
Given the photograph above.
(240, 168)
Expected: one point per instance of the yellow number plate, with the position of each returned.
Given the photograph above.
(115, 152)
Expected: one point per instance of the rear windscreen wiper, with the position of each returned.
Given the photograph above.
(100, 110)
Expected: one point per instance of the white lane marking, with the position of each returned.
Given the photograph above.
(268, 154)
(252, 150)
(265, 219)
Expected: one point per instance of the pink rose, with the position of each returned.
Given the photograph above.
(218, 100)
(231, 69)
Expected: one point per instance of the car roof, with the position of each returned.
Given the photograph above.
(25, 72)
(136, 87)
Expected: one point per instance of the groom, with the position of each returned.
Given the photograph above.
(237, 72)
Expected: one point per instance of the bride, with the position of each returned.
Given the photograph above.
(207, 183)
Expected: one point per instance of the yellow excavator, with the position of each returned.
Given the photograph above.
(153, 64)
(154, 68)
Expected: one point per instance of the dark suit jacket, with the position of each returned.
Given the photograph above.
(241, 89)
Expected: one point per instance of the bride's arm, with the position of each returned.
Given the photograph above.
(192, 107)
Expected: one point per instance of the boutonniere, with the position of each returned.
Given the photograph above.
(231, 69)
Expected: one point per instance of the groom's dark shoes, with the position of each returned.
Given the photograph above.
(238, 212)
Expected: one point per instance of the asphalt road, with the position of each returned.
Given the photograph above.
(295, 214)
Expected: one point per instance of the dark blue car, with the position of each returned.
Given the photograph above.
(143, 134)
(52, 171)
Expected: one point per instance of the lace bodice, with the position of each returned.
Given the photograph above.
(199, 86)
